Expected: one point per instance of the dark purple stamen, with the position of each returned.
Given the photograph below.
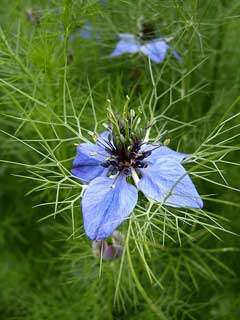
(106, 164)
(140, 164)
(123, 157)
(113, 171)
(143, 155)
(147, 153)
(126, 171)
(107, 144)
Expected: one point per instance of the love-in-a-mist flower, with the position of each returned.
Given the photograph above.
(121, 156)
(145, 42)
(86, 31)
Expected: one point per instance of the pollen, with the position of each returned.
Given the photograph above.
(93, 154)
(113, 186)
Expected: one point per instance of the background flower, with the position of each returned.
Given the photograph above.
(155, 49)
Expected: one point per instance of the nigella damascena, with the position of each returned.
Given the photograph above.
(146, 42)
(121, 163)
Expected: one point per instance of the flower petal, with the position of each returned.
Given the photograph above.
(104, 135)
(86, 165)
(106, 204)
(168, 181)
(86, 31)
(104, 138)
(127, 44)
(156, 50)
(162, 151)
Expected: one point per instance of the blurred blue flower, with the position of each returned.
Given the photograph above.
(109, 199)
(86, 31)
(155, 49)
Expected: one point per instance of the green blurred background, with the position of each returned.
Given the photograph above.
(44, 272)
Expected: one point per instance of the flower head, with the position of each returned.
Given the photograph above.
(86, 31)
(155, 49)
(145, 42)
(119, 156)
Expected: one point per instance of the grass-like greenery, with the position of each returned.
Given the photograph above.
(55, 88)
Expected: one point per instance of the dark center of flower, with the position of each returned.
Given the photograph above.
(146, 31)
(124, 143)
(123, 157)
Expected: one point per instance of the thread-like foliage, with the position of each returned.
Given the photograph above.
(55, 90)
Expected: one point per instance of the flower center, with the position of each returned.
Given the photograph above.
(123, 158)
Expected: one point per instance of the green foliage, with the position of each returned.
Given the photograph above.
(176, 264)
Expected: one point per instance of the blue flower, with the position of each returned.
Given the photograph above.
(108, 166)
(86, 31)
(155, 49)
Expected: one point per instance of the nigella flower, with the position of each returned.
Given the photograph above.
(145, 42)
(86, 31)
(120, 156)
(155, 49)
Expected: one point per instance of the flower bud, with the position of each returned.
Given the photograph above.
(98, 247)
(111, 252)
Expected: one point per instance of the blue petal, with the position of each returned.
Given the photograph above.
(86, 165)
(104, 207)
(103, 138)
(168, 181)
(104, 135)
(127, 44)
(162, 152)
(156, 50)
